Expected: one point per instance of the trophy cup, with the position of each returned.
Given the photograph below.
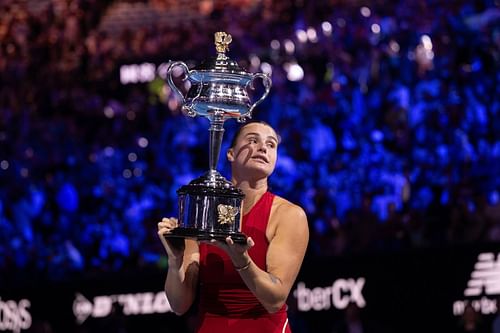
(210, 207)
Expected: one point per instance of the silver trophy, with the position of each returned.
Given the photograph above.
(210, 207)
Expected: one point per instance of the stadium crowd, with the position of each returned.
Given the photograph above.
(391, 113)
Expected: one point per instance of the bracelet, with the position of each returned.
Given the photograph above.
(239, 269)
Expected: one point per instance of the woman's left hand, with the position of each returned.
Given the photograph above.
(237, 252)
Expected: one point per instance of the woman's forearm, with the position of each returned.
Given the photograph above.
(269, 290)
(180, 286)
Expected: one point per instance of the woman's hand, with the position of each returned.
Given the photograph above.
(237, 252)
(173, 246)
(183, 266)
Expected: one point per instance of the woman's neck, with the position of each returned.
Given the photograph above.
(253, 192)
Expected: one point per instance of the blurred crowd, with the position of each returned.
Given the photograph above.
(389, 114)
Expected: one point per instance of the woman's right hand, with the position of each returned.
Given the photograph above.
(173, 246)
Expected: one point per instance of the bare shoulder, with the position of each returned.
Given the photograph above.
(287, 217)
(282, 206)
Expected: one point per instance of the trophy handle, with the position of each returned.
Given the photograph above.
(267, 85)
(171, 83)
(188, 107)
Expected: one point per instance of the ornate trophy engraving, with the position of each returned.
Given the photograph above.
(210, 207)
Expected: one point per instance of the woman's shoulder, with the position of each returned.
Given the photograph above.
(282, 202)
(289, 221)
(282, 206)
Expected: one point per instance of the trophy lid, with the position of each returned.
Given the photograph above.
(221, 64)
(212, 68)
(211, 183)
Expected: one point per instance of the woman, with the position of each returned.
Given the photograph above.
(243, 288)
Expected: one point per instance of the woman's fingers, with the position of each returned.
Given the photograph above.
(249, 243)
(174, 247)
(166, 225)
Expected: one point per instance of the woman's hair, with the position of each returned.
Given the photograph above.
(238, 131)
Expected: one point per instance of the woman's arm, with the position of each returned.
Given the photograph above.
(183, 266)
(285, 254)
(182, 278)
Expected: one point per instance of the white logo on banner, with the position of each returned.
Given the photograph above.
(132, 304)
(484, 280)
(14, 316)
(486, 275)
(141, 73)
(339, 294)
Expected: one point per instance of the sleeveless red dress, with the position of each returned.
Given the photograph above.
(226, 304)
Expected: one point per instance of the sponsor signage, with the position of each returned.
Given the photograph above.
(337, 295)
(483, 287)
(131, 304)
(390, 290)
(142, 73)
(15, 315)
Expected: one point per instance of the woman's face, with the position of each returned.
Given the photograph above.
(255, 152)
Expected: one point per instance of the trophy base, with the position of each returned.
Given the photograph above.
(203, 235)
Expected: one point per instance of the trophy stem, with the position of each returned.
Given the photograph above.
(216, 133)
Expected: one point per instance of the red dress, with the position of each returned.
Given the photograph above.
(226, 304)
